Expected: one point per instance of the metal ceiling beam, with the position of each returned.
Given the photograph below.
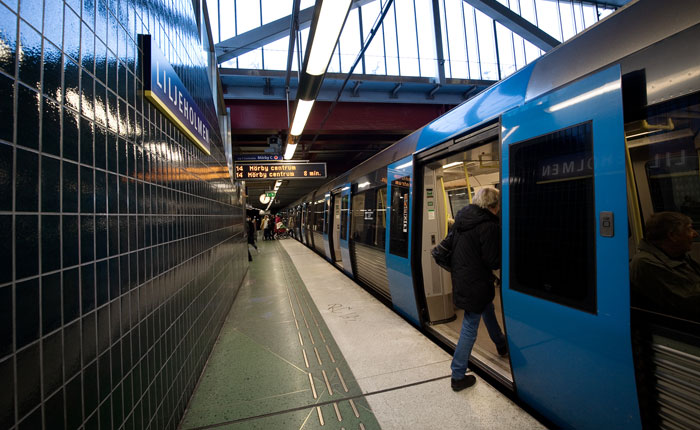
(515, 23)
(261, 36)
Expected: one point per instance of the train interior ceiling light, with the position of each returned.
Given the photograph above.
(325, 31)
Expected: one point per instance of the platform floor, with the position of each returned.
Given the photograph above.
(304, 347)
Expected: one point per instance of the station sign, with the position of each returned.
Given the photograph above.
(259, 157)
(251, 171)
(163, 88)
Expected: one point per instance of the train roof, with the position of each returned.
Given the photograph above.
(646, 35)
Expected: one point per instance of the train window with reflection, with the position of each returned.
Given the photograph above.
(368, 224)
(318, 215)
(398, 233)
(664, 153)
(552, 218)
(326, 206)
(344, 217)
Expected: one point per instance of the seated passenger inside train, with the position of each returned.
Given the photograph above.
(664, 277)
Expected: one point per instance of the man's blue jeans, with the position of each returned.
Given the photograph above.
(467, 337)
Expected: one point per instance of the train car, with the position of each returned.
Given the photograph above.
(584, 144)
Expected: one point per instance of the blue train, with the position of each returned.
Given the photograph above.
(584, 144)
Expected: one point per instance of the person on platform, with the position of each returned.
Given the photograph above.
(664, 277)
(476, 253)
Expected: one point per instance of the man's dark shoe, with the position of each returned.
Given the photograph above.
(461, 384)
(502, 350)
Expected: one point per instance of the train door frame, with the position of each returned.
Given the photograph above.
(398, 267)
(334, 228)
(591, 332)
(346, 192)
(326, 225)
(486, 133)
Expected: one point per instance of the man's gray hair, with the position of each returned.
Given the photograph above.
(486, 198)
(661, 224)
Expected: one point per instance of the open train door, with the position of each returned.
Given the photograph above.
(565, 254)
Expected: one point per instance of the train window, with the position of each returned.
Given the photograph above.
(368, 224)
(326, 205)
(666, 163)
(552, 217)
(318, 215)
(398, 233)
(344, 218)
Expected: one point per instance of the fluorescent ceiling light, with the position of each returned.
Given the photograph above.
(364, 184)
(330, 22)
(289, 152)
(300, 117)
(456, 163)
(403, 166)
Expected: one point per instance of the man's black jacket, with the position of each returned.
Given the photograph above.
(476, 252)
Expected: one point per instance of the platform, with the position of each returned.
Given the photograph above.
(304, 347)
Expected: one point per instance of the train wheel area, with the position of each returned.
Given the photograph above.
(306, 347)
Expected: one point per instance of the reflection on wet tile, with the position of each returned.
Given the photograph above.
(30, 59)
(8, 38)
(87, 53)
(32, 11)
(53, 21)
(71, 33)
(7, 99)
(51, 128)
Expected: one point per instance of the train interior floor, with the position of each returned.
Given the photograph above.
(304, 347)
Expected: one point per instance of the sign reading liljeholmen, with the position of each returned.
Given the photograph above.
(280, 171)
(163, 88)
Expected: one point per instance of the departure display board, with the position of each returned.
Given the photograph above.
(249, 171)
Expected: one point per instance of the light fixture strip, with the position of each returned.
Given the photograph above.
(300, 116)
(330, 23)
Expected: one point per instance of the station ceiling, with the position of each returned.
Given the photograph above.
(354, 117)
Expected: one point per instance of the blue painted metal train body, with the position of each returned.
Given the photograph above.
(571, 353)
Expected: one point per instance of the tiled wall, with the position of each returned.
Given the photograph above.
(121, 245)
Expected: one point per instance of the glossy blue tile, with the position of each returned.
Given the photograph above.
(87, 288)
(52, 353)
(101, 241)
(30, 60)
(27, 312)
(69, 235)
(53, 21)
(87, 134)
(102, 282)
(87, 96)
(26, 245)
(89, 12)
(51, 127)
(50, 184)
(7, 108)
(71, 295)
(6, 176)
(113, 223)
(27, 181)
(87, 238)
(52, 70)
(100, 104)
(70, 187)
(112, 153)
(6, 321)
(32, 11)
(71, 33)
(101, 62)
(31, 421)
(71, 350)
(87, 53)
(90, 390)
(28, 108)
(100, 192)
(70, 134)
(8, 36)
(50, 243)
(100, 148)
(28, 379)
(53, 412)
(51, 299)
(7, 397)
(74, 402)
(87, 190)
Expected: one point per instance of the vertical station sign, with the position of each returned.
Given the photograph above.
(163, 88)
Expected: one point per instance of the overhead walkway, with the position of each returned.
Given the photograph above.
(304, 347)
